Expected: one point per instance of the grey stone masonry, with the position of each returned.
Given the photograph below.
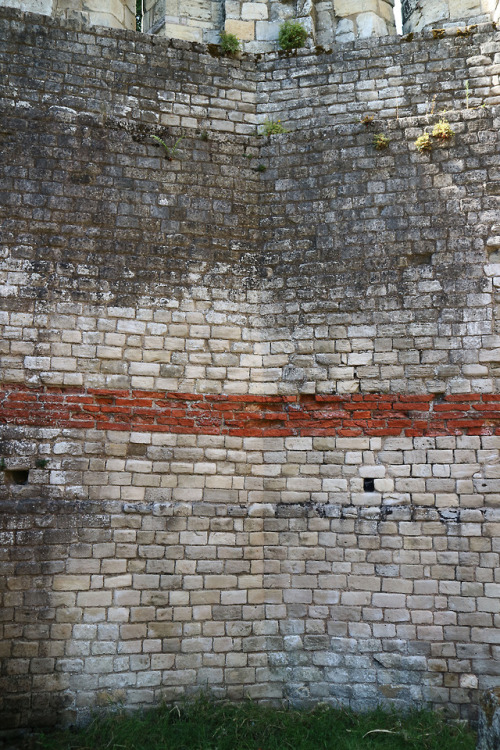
(117, 14)
(418, 14)
(489, 721)
(249, 386)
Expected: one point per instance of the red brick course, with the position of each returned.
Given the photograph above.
(266, 416)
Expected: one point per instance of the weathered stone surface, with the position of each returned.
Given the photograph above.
(489, 720)
(249, 416)
(118, 14)
(417, 14)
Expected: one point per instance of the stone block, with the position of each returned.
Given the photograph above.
(489, 720)
(244, 30)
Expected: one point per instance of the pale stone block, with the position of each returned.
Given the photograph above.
(71, 583)
(244, 30)
(181, 31)
(44, 7)
(353, 7)
(370, 24)
(267, 31)
(254, 11)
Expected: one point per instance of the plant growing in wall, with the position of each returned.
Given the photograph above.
(380, 141)
(229, 43)
(273, 127)
(292, 35)
(423, 143)
(442, 130)
(467, 31)
(170, 151)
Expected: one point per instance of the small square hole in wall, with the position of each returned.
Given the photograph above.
(369, 484)
(17, 476)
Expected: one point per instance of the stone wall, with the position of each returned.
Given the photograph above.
(417, 14)
(257, 24)
(250, 412)
(118, 14)
(389, 78)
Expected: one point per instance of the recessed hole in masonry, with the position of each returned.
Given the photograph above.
(17, 476)
(369, 484)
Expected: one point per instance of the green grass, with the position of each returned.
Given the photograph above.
(203, 725)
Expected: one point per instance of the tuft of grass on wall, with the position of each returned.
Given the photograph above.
(204, 725)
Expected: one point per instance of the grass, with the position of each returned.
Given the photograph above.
(203, 725)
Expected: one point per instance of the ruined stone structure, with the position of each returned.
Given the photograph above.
(257, 24)
(418, 14)
(119, 14)
(250, 415)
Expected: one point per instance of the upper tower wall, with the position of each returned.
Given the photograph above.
(417, 14)
(256, 24)
(117, 14)
(250, 386)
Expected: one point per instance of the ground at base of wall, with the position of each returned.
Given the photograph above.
(248, 726)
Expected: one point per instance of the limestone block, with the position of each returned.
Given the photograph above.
(178, 31)
(254, 12)
(352, 7)
(196, 10)
(232, 8)
(324, 28)
(267, 31)
(244, 30)
(44, 7)
(111, 13)
(418, 16)
(308, 23)
(464, 8)
(369, 24)
(489, 720)
(281, 11)
(345, 32)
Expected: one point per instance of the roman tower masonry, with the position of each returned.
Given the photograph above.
(417, 14)
(249, 384)
(117, 14)
(257, 24)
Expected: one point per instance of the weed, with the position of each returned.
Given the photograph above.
(204, 135)
(467, 31)
(367, 120)
(442, 130)
(204, 725)
(170, 151)
(230, 44)
(423, 143)
(380, 141)
(273, 127)
(261, 168)
(292, 35)
(41, 463)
